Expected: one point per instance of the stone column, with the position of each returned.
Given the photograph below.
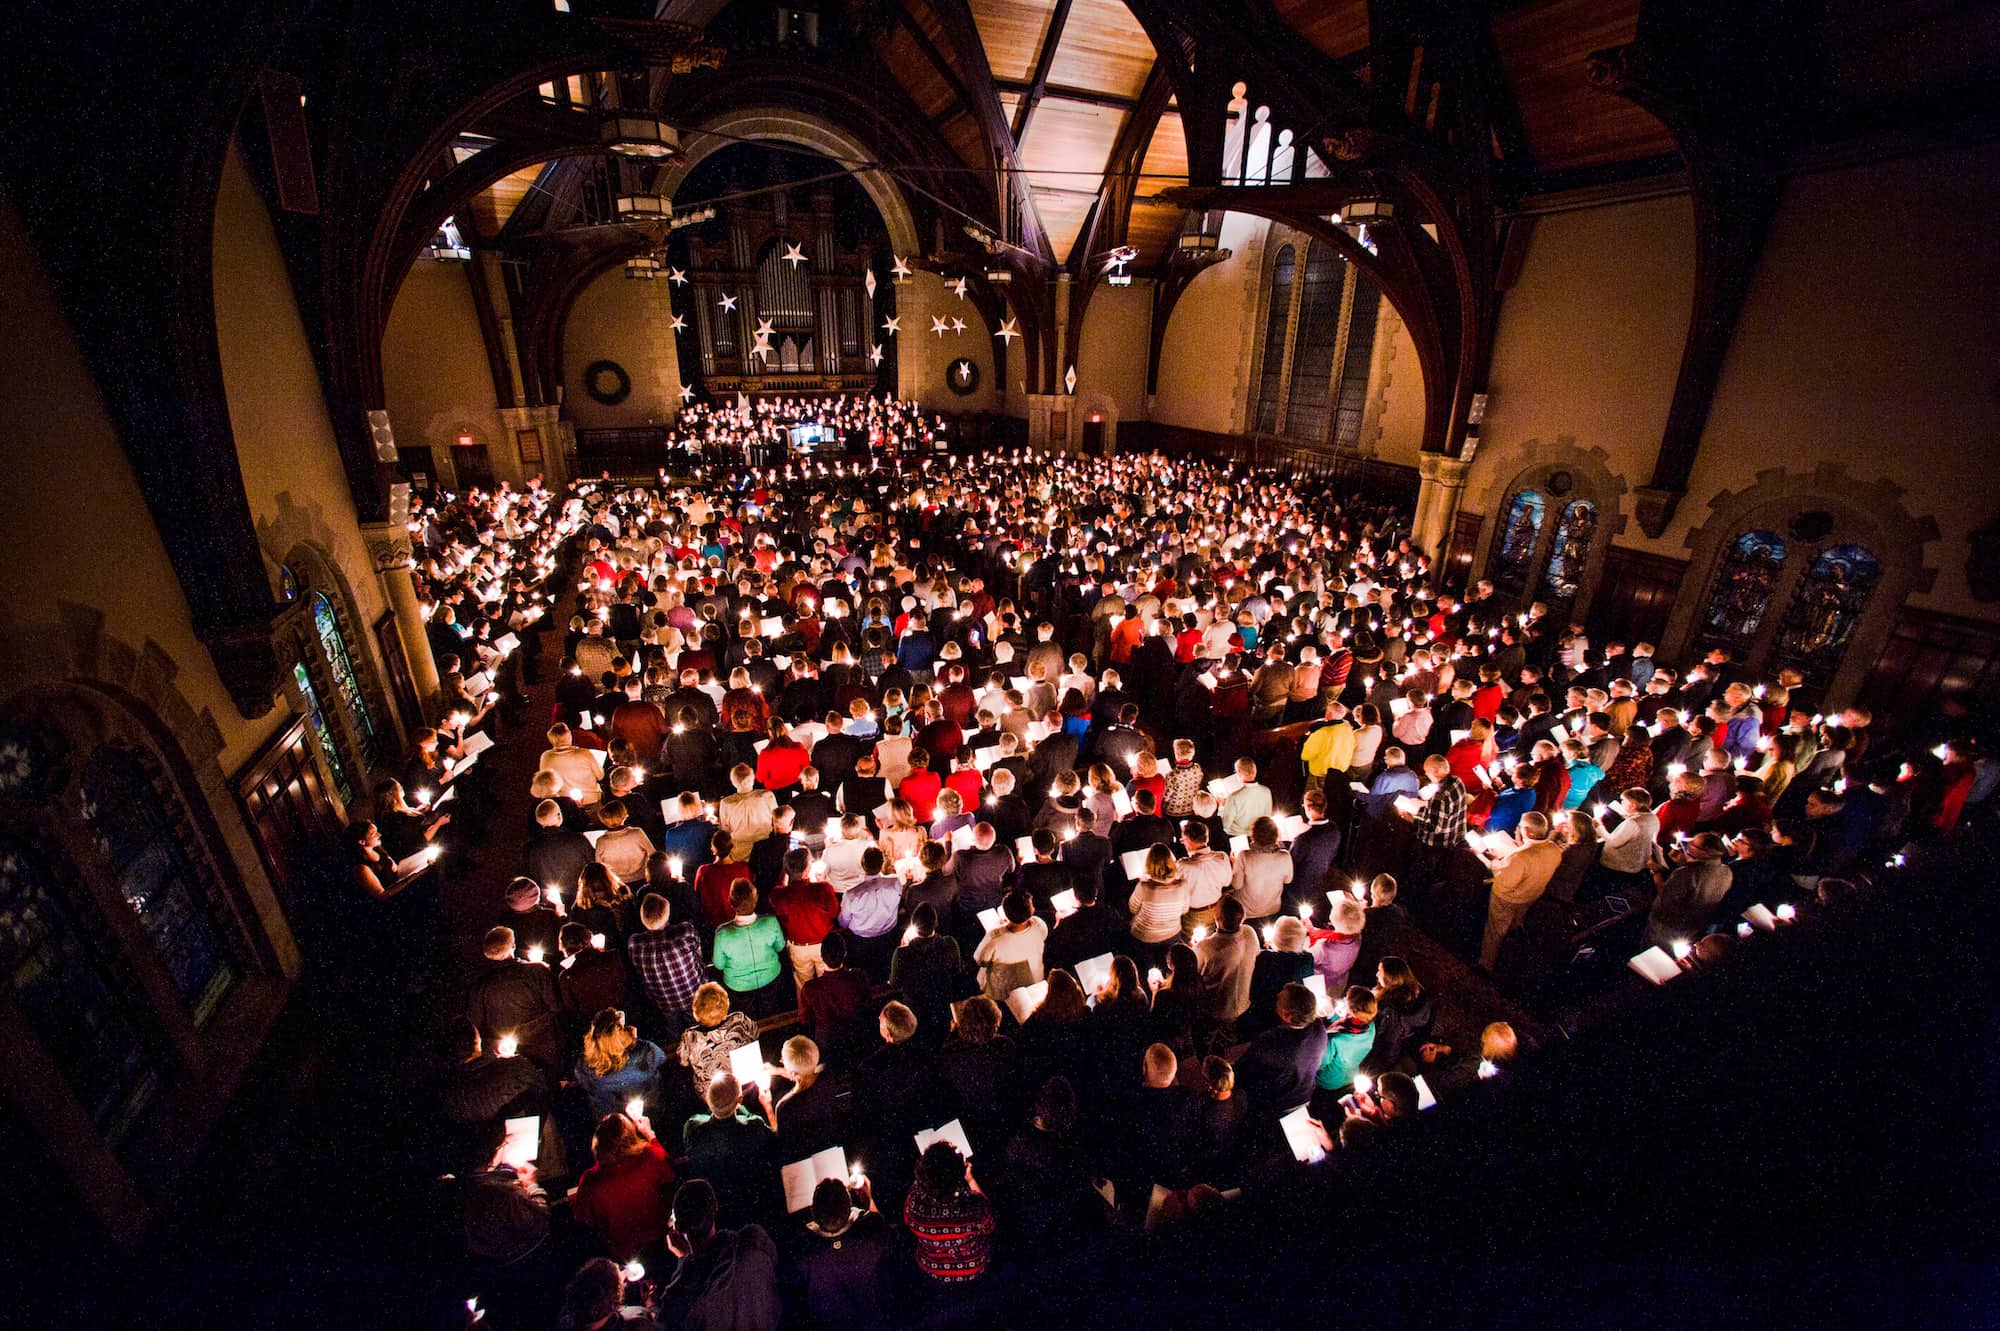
(389, 548)
(1439, 491)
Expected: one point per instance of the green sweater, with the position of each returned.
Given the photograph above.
(1344, 1052)
(750, 955)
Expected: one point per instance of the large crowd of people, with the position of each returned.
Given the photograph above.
(942, 871)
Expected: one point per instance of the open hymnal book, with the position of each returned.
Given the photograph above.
(1134, 864)
(416, 863)
(983, 759)
(505, 644)
(992, 918)
(475, 744)
(1656, 965)
(1093, 972)
(1491, 845)
(523, 1144)
(596, 835)
(1760, 917)
(885, 813)
(479, 685)
(801, 1177)
(1291, 827)
(1225, 786)
(1317, 983)
(1300, 1137)
(1064, 903)
(772, 628)
(953, 1132)
(1121, 804)
(962, 837)
(746, 1063)
(1024, 848)
(1426, 1098)
(1023, 1001)
(1399, 707)
(1239, 843)
(1409, 804)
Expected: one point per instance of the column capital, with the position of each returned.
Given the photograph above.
(388, 545)
(1446, 471)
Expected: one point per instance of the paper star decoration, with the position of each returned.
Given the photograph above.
(761, 347)
(899, 268)
(959, 287)
(687, 392)
(937, 325)
(875, 354)
(892, 325)
(677, 277)
(868, 283)
(764, 330)
(727, 302)
(958, 325)
(794, 254)
(679, 324)
(1009, 330)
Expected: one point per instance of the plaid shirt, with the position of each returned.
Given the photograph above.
(1443, 818)
(669, 965)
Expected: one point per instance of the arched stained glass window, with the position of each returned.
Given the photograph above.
(80, 1007)
(1317, 340)
(345, 678)
(152, 872)
(1514, 553)
(323, 733)
(1569, 554)
(1277, 321)
(1742, 590)
(1826, 605)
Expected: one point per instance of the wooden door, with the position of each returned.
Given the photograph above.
(291, 813)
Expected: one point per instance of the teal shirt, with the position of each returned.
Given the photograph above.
(750, 955)
(1583, 778)
(1343, 1058)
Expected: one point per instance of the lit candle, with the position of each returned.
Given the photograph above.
(674, 866)
(1787, 911)
(1488, 1069)
(1681, 948)
(597, 941)
(535, 954)
(635, 1108)
(633, 1271)
(554, 894)
(507, 1046)
(1363, 1083)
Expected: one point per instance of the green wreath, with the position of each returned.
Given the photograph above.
(619, 388)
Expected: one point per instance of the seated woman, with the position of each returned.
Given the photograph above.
(717, 1032)
(617, 1066)
(1010, 956)
(1159, 900)
(627, 1196)
(603, 902)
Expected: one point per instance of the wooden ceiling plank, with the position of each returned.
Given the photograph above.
(1039, 84)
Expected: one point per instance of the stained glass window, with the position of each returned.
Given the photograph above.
(1742, 590)
(1317, 339)
(1514, 555)
(1826, 606)
(1276, 322)
(325, 735)
(81, 1011)
(1570, 552)
(1351, 406)
(345, 678)
(138, 839)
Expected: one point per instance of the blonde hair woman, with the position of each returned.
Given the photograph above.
(717, 1032)
(617, 1065)
(902, 839)
(1159, 900)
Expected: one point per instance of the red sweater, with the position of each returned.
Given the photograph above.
(806, 909)
(628, 1202)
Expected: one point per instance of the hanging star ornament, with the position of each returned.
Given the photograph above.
(677, 277)
(727, 302)
(1009, 330)
(958, 325)
(892, 325)
(937, 325)
(959, 287)
(679, 324)
(764, 330)
(687, 392)
(868, 283)
(898, 268)
(761, 347)
(794, 254)
(875, 354)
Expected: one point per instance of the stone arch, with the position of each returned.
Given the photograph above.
(1864, 512)
(787, 125)
(1530, 465)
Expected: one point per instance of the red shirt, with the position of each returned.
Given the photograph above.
(628, 1202)
(779, 765)
(712, 883)
(1464, 756)
(971, 787)
(921, 789)
(1678, 815)
(806, 909)
(1486, 701)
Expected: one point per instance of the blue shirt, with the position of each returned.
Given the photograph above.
(1508, 806)
(1583, 778)
(639, 1077)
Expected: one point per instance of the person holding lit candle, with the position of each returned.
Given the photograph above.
(617, 1064)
